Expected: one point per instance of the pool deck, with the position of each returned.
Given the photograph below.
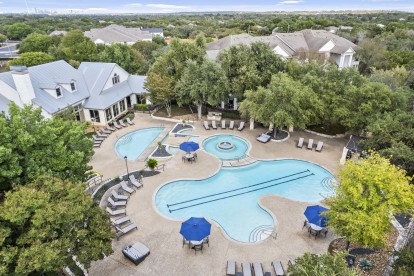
(161, 235)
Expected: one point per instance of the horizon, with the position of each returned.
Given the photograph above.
(95, 7)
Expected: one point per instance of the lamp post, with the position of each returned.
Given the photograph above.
(126, 164)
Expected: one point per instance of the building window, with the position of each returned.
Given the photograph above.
(108, 114)
(95, 116)
(73, 86)
(115, 109)
(122, 105)
(58, 92)
(115, 79)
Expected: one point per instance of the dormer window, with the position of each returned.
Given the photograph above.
(58, 92)
(73, 86)
(115, 79)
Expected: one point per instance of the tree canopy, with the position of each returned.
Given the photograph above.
(31, 146)
(35, 42)
(31, 59)
(45, 223)
(368, 192)
(18, 30)
(122, 54)
(76, 46)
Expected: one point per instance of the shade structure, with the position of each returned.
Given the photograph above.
(313, 215)
(195, 229)
(189, 146)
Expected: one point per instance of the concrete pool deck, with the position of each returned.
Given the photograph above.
(161, 235)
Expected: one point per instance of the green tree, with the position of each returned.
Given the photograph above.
(36, 43)
(371, 54)
(31, 146)
(200, 84)
(122, 54)
(78, 47)
(159, 40)
(284, 103)
(18, 30)
(2, 38)
(404, 263)
(161, 90)
(152, 163)
(30, 59)
(322, 265)
(47, 222)
(368, 192)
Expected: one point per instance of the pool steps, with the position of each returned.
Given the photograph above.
(260, 233)
(246, 160)
(153, 146)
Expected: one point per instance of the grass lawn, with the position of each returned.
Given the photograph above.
(175, 111)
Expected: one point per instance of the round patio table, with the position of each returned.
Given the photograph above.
(315, 227)
(196, 242)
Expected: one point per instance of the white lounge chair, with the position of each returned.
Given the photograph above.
(116, 203)
(100, 134)
(125, 187)
(264, 138)
(213, 124)
(116, 125)
(231, 268)
(122, 231)
(319, 146)
(247, 270)
(115, 212)
(105, 131)
(129, 121)
(278, 268)
(97, 138)
(118, 196)
(120, 220)
(310, 144)
(231, 126)
(122, 123)
(110, 128)
(223, 124)
(241, 126)
(258, 269)
(206, 125)
(300, 142)
(97, 145)
(134, 181)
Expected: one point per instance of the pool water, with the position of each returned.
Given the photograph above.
(133, 144)
(233, 147)
(231, 196)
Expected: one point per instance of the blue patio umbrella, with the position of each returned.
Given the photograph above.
(195, 229)
(313, 215)
(189, 146)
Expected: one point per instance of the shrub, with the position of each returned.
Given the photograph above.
(141, 107)
(152, 163)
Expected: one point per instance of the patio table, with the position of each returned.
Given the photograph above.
(315, 227)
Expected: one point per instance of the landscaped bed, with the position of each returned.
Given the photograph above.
(328, 129)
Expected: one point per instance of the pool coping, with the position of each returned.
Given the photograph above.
(259, 202)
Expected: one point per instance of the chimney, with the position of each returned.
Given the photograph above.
(23, 83)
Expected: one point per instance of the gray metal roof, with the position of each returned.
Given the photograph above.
(116, 33)
(4, 105)
(153, 30)
(136, 83)
(96, 74)
(7, 78)
(47, 74)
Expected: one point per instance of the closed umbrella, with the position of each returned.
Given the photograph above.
(189, 146)
(195, 229)
(313, 215)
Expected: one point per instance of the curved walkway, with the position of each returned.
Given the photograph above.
(168, 257)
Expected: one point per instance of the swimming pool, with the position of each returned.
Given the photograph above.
(226, 147)
(133, 144)
(231, 196)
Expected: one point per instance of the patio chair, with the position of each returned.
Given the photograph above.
(207, 241)
(247, 270)
(115, 204)
(291, 263)
(241, 126)
(206, 125)
(104, 131)
(116, 125)
(120, 220)
(125, 187)
(231, 125)
(134, 181)
(97, 144)
(100, 134)
(118, 196)
(223, 124)
(231, 268)
(115, 212)
(186, 242)
(278, 268)
(198, 247)
(319, 146)
(264, 138)
(310, 144)
(213, 124)
(258, 269)
(97, 138)
(122, 231)
(300, 142)
(313, 232)
(122, 123)
(129, 121)
(110, 128)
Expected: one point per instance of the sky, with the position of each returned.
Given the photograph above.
(169, 6)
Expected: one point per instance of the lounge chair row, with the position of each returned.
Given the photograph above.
(256, 268)
(319, 146)
(106, 131)
(223, 125)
